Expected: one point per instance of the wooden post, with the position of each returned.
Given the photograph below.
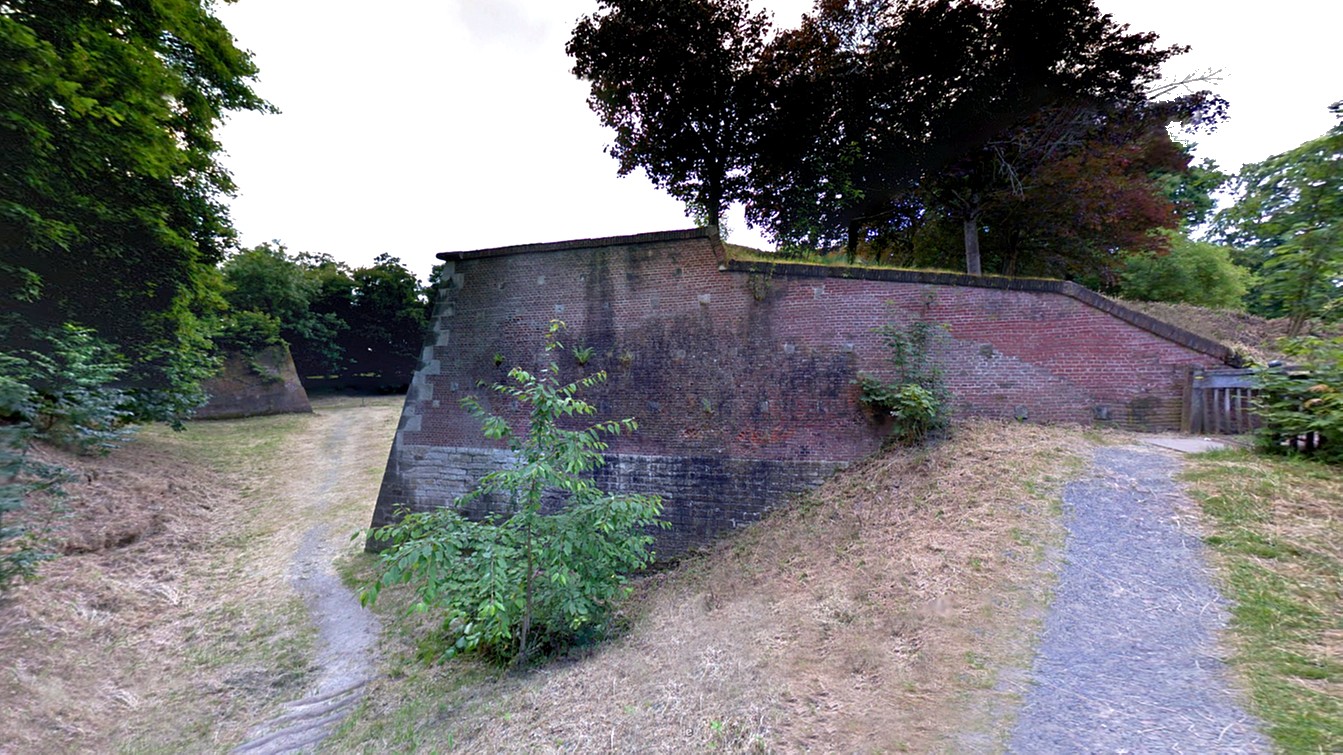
(1187, 407)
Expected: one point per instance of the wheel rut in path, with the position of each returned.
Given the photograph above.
(1129, 660)
(347, 634)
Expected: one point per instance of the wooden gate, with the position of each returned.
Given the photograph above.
(1219, 402)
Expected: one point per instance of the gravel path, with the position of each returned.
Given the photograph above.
(1129, 660)
(347, 634)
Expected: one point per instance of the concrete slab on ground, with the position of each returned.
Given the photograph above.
(1186, 444)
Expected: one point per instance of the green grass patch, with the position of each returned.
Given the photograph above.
(739, 253)
(1276, 526)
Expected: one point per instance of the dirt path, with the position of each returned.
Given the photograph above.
(1129, 660)
(347, 635)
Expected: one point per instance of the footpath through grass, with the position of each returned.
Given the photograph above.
(170, 623)
(1276, 526)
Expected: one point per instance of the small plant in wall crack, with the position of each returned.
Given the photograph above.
(916, 397)
(583, 354)
(532, 582)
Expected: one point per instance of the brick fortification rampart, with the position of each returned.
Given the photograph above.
(741, 374)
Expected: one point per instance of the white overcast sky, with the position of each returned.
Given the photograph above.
(414, 127)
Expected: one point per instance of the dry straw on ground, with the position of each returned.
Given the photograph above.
(169, 624)
(1253, 337)
(872, 615)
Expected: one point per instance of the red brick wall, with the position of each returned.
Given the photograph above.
(753, 362)
(240, 390)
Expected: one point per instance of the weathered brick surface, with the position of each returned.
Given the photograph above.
(742, 375)
(240, 390)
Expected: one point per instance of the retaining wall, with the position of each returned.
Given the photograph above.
(251, 386)
(741, 375)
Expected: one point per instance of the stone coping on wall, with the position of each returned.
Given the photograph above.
(810, 270)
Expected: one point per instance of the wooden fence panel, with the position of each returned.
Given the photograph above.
(1219, 402)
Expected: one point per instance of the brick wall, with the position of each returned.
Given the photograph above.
(252, 386)
(741, 375)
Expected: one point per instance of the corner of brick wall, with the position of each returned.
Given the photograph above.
(240, 391)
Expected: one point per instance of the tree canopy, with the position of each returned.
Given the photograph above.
(880, 123)
(1192, 272)
(367, 321)
(673, 79)
(111, 195)
(1287, 224)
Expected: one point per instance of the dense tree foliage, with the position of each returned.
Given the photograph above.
(1287, 223)
(366, 321)
(1027, 127)
(673, 79)
(387, 329)
(1193, 190)
(111, 198)
(266, 280)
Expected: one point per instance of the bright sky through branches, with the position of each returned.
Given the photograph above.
(417, 126)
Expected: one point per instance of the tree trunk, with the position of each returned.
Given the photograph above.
(972, 246)
(851, 241)
(713, 212)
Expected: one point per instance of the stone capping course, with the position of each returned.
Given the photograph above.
(808, 270)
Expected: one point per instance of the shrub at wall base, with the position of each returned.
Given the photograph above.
(535, 580)
(1302, 408)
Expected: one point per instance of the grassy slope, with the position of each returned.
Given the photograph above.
(871, 616)
(1277, 528)
(171, 626)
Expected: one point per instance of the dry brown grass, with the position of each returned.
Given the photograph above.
(874, 615)
(169, 625)
(1251, 336)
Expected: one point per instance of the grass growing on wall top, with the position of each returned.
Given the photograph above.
(739, 253)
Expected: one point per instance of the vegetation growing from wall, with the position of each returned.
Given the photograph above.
(915, 397)
(534, 581)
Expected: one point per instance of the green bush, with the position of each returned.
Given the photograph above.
(532, 581)
(247, 332)
(22, 546)
(1192, 272)
(21, 549)
(63, 393)
(916, 399)
(73, 400)
(1305, 401)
